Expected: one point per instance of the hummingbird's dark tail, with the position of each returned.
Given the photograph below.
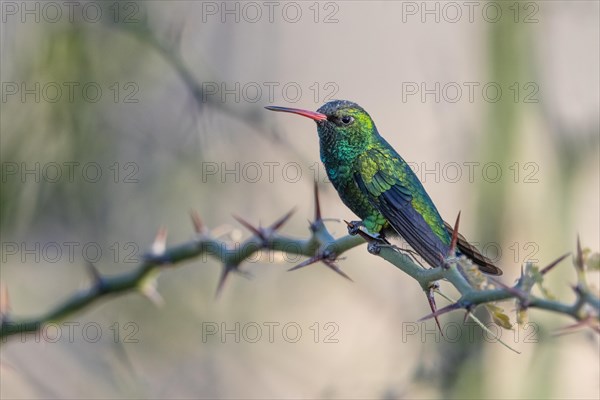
(464, 247)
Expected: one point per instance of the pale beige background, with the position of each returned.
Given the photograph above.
(367, 54)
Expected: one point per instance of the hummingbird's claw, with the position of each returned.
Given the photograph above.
(374, 247)
(354, 227)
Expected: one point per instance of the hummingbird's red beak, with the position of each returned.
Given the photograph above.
(305, 113)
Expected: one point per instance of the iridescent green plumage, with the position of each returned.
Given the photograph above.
(375, 182)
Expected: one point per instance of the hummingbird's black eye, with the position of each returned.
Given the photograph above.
(346, 119)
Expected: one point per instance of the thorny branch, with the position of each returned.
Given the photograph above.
(475, 288)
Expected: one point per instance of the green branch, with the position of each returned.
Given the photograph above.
(474, 287)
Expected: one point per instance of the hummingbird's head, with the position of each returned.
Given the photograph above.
(339, 122)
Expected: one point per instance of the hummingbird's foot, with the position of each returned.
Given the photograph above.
(354, 227)
(374, 247)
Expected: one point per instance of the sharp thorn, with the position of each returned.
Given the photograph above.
(454, 236)
(306, 263)
(160, 242)
(553, 264)
(255, 231)
(279, 223)
(150, 292)
(94, 273)
(522, 272)
(199, 227)
(224, 273)
(577, 289)
(579, 259)
(317, 203)
(441, 311)
(335, 268)
(327, 262)
(585, 322)
(433, 306)
(4, 301)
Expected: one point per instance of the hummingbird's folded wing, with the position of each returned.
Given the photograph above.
(395, 191)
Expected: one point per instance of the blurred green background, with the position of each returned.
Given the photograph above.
(157, 108)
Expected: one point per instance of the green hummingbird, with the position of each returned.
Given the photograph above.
(375, 182)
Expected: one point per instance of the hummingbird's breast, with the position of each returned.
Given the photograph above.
(340, 171)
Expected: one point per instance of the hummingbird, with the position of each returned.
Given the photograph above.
(375, 182)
